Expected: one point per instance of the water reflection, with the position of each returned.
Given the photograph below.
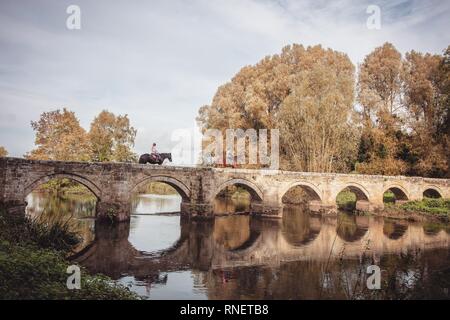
(301, 256)
(299, 229)
(352, 227)
(153, 203)
(79, 210)
(155, 234)
(231, 232)
(394, 229)
(80, 206)
(231, 204)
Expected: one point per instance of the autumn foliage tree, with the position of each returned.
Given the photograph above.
(112, 138)
(59, 136)
(404, 111)
(379, 95)
(3, 152)
(426, 103)
(444, 87)
(398, 124)
(306, 93)
(317, 121)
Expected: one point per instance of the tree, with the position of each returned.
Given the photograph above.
(317, 120)
(405, 113)
(426, 103)
(379, 96)
(444, 87)
(403, 107)
(59, 136)
(379, 85)
(288, 86)
(112, 138)
(3, 152)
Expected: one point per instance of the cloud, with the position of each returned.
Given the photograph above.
(159, 61)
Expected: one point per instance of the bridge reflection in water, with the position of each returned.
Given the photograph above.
(302, 256)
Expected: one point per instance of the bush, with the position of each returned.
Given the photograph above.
(346, 200)
(33, 263)
(27, 272)
(50, 235)
(388, 197)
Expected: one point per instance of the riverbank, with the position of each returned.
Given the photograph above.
(428, 209)
(33, 264)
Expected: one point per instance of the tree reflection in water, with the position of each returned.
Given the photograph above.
(394, 229)
(298, 257)
(78, 211)
(299, 229)
(352, 227)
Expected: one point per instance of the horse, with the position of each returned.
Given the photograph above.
(148, 158)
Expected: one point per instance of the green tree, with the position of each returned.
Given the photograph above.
(112, 138)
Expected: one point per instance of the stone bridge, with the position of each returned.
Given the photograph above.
(114, 184)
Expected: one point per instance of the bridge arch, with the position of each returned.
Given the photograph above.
(179, 186)
(311, 189)
(399, 192)
(253, 189)
(432, 191)
(359, 190)
(352, 196)
(77, 178)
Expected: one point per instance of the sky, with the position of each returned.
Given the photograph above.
(160, 61)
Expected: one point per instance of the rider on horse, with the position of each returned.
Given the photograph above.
(155, 153)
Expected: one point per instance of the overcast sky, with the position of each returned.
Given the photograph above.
(159, 61)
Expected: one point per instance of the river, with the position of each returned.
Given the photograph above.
(302, 256)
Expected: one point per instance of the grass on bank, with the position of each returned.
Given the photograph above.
(435, 207)
(346, 200)
(33, 264)
(431, 207)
